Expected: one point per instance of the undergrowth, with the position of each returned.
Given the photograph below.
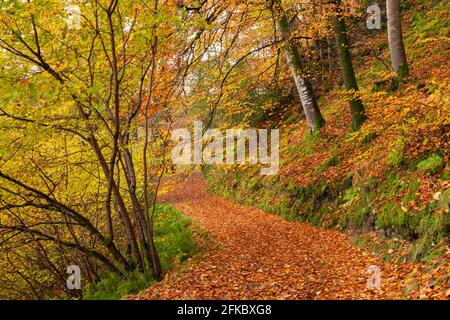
(174, 242)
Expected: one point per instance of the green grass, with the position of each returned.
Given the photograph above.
(113, 287)
(174, 242)
(173, 236)
(432, 164)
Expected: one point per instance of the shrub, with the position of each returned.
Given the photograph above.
(113, 287)
(432, 164)
(174, 243)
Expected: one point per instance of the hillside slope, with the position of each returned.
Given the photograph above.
(387, 184)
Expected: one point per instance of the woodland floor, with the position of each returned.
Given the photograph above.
(260, 256)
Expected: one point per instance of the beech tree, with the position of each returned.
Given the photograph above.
(348, 72)
(395, 37)
(294, 60)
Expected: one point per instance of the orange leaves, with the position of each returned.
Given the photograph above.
(255, 255)
(24, 82)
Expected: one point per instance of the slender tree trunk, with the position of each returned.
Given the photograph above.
(304, 87)
(396, 44)
(348, 73)
(120, 204)
(148, 230)
(330, 53)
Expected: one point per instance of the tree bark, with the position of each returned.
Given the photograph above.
(395, 37)
(348, 72)
(304, 87)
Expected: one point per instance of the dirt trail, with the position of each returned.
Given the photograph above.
(261, 256)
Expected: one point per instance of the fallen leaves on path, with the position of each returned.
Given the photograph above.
(261, 256)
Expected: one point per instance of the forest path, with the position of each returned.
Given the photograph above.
(261, 256)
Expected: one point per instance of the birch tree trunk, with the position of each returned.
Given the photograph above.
(395, 37)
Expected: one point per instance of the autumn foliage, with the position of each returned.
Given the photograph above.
(87, 108)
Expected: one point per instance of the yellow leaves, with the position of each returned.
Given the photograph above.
(439, 39)
(387, 75)
(349, 95)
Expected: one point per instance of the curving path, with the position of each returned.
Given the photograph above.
(261, 256)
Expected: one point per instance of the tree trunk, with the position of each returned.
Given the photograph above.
(348, 73)
(395, 37)
(304, 87)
